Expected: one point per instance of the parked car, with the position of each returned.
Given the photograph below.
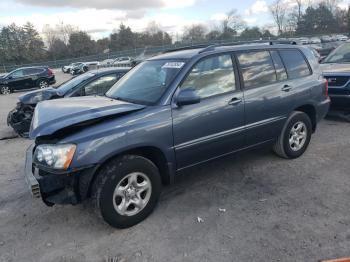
(169, 113)
(326, 39)
(92, 83)
(315, 40)
(68, 68)
(123, 61)
(26, 78)
(341, 38)
(106, 62)
(80, 68)
(336, 69)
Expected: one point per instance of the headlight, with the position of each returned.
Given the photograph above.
(55, 156)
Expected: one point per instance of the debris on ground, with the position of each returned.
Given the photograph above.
(200, 220)
(222, 210)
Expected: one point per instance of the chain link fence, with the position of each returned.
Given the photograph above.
(134, 53)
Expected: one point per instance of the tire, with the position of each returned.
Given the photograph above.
(64, 71)
(112, 186)
(42, 83)
(5, 90)
(292, 143)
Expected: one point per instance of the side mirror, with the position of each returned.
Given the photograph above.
(187, 96)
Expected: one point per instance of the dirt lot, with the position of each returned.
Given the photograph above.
(276, 210)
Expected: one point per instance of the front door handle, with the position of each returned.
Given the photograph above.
(235, 101)
(286, 88)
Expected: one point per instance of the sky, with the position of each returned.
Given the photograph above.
(101, 17)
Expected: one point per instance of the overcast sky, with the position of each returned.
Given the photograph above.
(100, 17)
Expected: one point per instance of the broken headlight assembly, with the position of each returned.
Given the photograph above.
(57, 156)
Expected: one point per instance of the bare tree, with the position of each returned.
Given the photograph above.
(232, 22)
(194, 33)
(278, 11)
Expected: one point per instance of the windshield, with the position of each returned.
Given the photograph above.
(339, 55)
(68, 85)
(147, 82)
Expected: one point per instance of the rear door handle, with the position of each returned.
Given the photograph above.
(286, 88)
(235, 101)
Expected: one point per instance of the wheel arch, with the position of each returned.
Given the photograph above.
(154, 154)
(310, 110)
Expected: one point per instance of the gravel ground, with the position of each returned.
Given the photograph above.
(270, 210)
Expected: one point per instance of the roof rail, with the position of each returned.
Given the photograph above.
(186, 48)
(210, 47)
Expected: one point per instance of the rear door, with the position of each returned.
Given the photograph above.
(215, 126)
(266, 105)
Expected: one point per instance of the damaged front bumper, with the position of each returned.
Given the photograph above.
(58, 187)
(20, 119)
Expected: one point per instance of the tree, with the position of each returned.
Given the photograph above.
(231, 24)
(278, 11)
(251, 33)
(80, 44)
(194, 33)
(318, 20)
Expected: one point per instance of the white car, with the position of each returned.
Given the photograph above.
(315, 40)
(342, 38)
(123, 61)
(68, 68)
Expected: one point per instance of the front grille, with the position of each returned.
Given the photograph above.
(337, 80)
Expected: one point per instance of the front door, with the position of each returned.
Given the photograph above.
(215, 126)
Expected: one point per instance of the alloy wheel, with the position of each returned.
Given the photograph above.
(132, 194)
(43, 84)
(297, 136)
(5, 90)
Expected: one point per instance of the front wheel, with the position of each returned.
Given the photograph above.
(295, 136)
(126, 190)
(5, 90)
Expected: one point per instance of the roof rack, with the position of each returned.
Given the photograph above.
(185, 48)
(211, 47)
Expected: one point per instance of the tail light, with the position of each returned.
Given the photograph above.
(326, 88)
(50, 72)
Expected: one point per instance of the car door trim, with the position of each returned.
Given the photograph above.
(232, 131)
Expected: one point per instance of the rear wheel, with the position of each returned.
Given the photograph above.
(126, 190)
(5, 90)
(295, 136)
(43, 83)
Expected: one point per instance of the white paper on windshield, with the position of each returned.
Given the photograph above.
(173, 65)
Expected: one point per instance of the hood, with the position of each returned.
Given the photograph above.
(36, 96)
(335, 69)
(54, 115)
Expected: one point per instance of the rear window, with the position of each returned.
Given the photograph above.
(295, 63)
(257, 68)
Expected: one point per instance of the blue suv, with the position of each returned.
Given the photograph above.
(171, 112)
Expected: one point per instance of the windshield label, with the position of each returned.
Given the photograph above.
(173, 65)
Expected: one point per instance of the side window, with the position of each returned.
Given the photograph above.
(211, 76)
(18, 73)
(257, 68)
(100, 86)
(280, 70)
(295, 63)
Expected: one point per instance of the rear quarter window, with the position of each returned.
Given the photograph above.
(295, 63)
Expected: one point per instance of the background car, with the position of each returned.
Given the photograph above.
(26, 78)
(91, 83)
(123, 61)
(336, 69)
(66, 69)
